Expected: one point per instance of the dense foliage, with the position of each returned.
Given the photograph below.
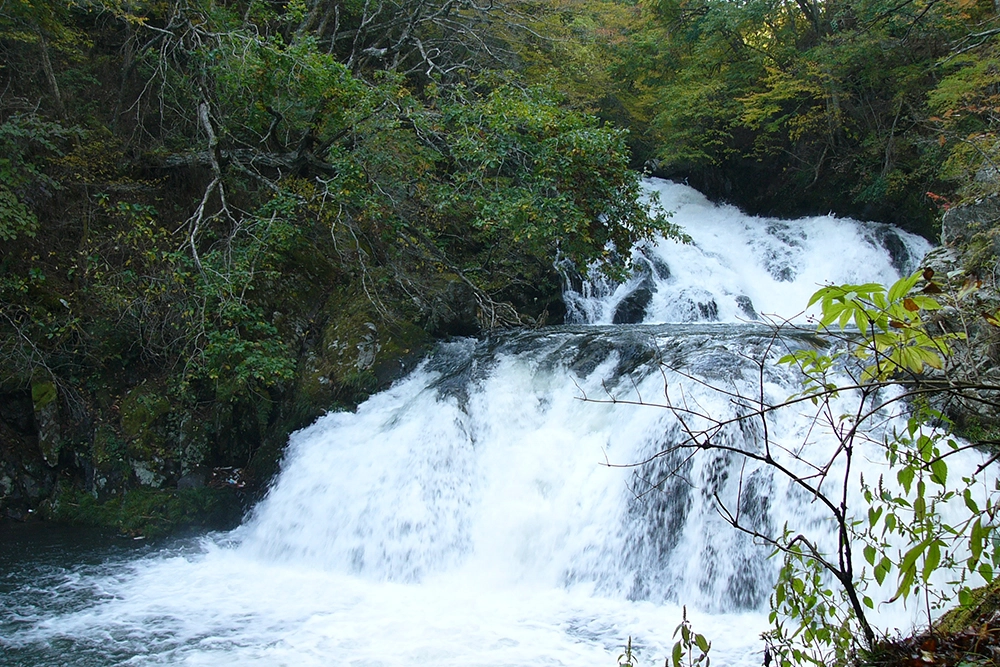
(189, 191)
(874, 108)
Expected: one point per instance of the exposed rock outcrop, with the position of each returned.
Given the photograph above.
(966, 266)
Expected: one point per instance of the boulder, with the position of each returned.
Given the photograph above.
(452, 310)
(45, 399)
(632, 309)
(961, 223)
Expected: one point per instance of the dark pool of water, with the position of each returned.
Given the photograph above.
(44, 572)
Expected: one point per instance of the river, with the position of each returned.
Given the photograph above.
(482, 511)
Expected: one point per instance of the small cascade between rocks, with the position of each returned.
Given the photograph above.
(485, 511)
(741, 267)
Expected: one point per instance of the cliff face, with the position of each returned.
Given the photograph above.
(967, 265)
(25, 480)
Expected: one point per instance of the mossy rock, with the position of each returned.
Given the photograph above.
(961, 223)
(191, 434)
(161, 441)
(42, 394)
(25, 479)
(109, 457)
(976, 428)
(44, 397)
(358, 351)
(983, 608)
(142, 407)
(151, 512)
(109, 448)
(451, 310)
(980, 253)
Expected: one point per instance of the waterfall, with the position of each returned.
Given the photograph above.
(740, 267)
(487, 461)
(485, 510)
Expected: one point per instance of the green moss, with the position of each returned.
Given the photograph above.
(985, 603)
(358, 383)
(141, 407)
(976, 429)
(980, 254)
(108, 449)
(151, 512)
(149, 433)
(360, 351)
(42, 393)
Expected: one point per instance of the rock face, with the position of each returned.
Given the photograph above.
(25, 479)
(961, 223)
(452, 311)
(632, 309)
(44, 398)
(967, 265)
(746, 307)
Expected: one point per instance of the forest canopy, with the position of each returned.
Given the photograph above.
(183, 184)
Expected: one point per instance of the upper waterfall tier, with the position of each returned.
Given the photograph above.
(740, 267)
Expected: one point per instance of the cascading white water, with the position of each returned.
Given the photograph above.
(468, 515)
(486, 462)
(740, 267)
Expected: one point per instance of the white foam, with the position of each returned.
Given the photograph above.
(773, 265)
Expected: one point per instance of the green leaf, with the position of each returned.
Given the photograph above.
(870, 554)
(905, 583)
(902, 287)
(929, 357)
(905, 477)
(874, 513)
(910, 557)
(969, 502)
(925, 445)
(831, 313)
(931, 561)
(939, 471)
(845, 317)
(861, 319)
(919, 506)
(925, 302)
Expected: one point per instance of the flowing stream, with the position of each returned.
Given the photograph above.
(481, 512)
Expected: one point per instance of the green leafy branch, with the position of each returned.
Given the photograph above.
(894, 336)
(891, 530)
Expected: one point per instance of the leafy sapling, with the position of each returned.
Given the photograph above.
(691, 648)
(627, 659)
